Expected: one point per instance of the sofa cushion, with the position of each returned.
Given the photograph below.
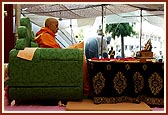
(45, 93)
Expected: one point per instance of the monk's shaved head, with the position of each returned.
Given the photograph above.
(49, 21)
(52, 24)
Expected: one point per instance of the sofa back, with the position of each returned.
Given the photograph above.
(24, 39)
(25, 35)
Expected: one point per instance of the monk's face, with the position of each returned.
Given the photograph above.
(54, 27)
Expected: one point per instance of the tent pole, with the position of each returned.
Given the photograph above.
(17, 19)
(140, 28)
(102, 33)
(71, 31)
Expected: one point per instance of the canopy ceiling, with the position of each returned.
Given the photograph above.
(37, 12)
(78, 11)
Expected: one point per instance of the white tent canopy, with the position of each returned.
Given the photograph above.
(153, 18)
(153, 13)
(86, 13)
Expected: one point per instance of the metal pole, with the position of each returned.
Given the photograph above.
(102, 33)
(140, 28)
(71, 31)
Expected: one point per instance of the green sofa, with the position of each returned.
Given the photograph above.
(52, 74)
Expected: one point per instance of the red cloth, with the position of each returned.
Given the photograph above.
(115, 59)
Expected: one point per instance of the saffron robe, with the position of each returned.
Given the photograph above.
(46, 38)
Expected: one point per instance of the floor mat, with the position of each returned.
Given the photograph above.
(88, 105)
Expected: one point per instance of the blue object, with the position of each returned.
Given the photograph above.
(91, 48)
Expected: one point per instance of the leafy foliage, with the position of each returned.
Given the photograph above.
(120, 30)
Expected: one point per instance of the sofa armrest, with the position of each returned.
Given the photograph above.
(60, 54)
(20, 44)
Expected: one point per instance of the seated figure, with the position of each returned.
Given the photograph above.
(46, 39)
(148, 46)
(147, 51)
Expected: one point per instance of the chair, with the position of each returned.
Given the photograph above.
(52, 74)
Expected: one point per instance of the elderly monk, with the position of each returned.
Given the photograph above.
(45, 37)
